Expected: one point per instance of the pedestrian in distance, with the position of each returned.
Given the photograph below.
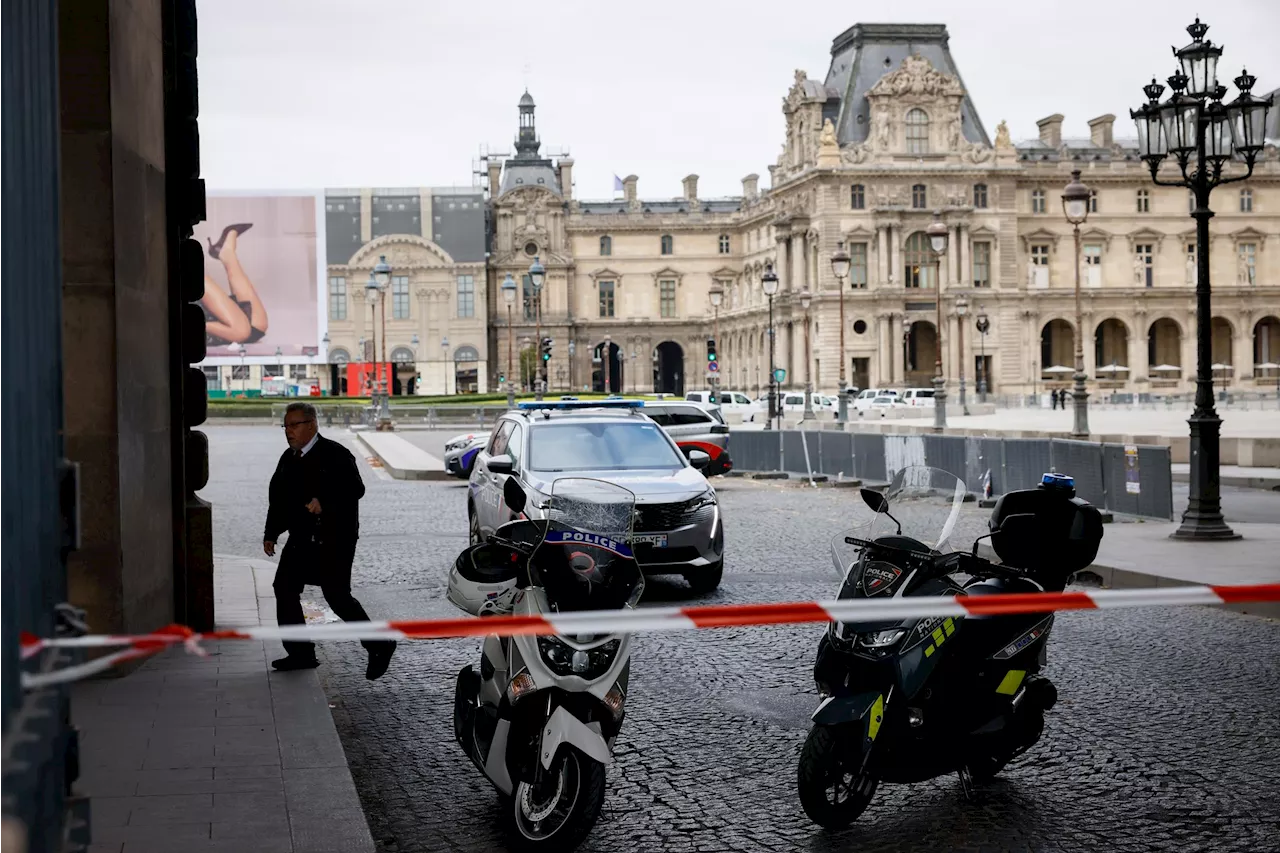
(315, 495)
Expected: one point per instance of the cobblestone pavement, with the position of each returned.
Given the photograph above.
(1165, 737)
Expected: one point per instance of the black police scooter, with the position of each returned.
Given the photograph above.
(910, 700)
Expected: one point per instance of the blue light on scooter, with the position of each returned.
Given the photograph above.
(1057, 481)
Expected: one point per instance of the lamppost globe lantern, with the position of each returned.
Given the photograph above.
(371, 290)
(1247, 117)
(1075, 200)
(1199, 61)
(509, 289)
(840, 262)
(717, 294)
(279, 353)
(937, 233)
(382, 271)
(769, 280)
(805, 299)
(537, 273)
(962, 306)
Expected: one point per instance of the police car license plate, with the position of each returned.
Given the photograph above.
(657, 540)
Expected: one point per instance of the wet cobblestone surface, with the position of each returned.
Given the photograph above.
(1166, 735)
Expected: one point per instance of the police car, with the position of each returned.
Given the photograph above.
(677, 527)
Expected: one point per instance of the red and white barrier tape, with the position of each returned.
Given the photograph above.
(647, 619)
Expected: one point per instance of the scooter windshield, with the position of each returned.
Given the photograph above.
(922, 509)
(585, 561)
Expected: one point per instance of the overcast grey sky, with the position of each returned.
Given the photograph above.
(326, 93)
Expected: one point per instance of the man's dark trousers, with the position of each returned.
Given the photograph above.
(327, 565)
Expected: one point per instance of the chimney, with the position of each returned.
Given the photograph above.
(495, 178)
(629, 190)
(1100, 130)
(566, 178)
(1051, 130)
(691, 189)
(751, 186)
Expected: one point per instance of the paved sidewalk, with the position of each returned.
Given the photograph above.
(217, 754)
(1141, 554)
(1234, 475)
(402, 459)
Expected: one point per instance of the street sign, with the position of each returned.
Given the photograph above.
(779, 374)
(713, 366)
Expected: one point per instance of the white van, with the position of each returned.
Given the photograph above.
(919, 398)
(865, 397)
(730, 401)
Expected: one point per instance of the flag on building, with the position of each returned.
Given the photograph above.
(617, 184)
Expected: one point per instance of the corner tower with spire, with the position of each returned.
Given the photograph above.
(527, 168)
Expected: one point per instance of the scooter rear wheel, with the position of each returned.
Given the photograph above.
(833, 795)
(559, 812)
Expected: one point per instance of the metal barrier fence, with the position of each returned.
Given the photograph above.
(1132, 479)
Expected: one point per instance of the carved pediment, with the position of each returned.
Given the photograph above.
(606, 274)
(529, 196)
(1143, 236)
(724, 273)
(1248, 233)
(403, 251)
(1097, 235)
(667, 274)
(916, 76)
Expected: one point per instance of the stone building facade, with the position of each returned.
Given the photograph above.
(889, 140)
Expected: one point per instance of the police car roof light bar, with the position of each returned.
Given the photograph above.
(580, 404)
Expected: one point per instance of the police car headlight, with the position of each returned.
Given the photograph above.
(707, 498)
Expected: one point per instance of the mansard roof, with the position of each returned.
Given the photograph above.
(864, 53)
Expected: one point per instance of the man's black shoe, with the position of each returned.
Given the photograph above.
(379, 659)
(289, 663)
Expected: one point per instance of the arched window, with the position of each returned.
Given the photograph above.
(919, 262)
(466, 354)
(606, 245)
(402, 355)
(339, 356)
(917, 131)
(466, 375)
(724, 244)
(667, 244)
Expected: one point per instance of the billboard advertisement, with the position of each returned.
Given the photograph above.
(263, 278)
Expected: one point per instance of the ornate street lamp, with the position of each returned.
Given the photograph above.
(537, 275)
(509, 296)
(1075, 206)
(1202, 134)
(962, 310)
(717, 296)
(379, 405)
(769, 281)
(840, 266)
(983, 325)
(444, 357)
(937, 233)
(572, 349)
(805, 300)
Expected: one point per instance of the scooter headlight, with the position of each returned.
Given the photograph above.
(881, 639)
(563, 659)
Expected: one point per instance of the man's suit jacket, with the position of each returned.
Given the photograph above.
(328, 473)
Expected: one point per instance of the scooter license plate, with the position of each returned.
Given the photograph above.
(657, 540)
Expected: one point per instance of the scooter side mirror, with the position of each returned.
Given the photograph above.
(877, 501)
(514, 495)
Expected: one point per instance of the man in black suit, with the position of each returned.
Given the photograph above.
(315, 495)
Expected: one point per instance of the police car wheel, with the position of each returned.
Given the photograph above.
(473, 526)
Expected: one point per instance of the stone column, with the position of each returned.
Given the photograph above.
(884, 332)
(895, 255)
(882, 255)
(1137, 351)
(1242, 349)
(964, 275)
(1090, 339)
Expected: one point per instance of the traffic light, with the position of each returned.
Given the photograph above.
(711, 350)
(546, 349)
(502, 378)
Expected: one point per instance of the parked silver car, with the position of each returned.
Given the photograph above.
(460, 453)
(677, 528)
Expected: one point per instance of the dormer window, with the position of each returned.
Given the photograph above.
(917, 131)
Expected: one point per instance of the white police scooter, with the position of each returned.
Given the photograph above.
(540, 717)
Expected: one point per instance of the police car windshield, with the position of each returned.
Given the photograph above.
(601, 446)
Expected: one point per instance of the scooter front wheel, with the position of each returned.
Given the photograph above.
(559, 811)
(832, 794)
